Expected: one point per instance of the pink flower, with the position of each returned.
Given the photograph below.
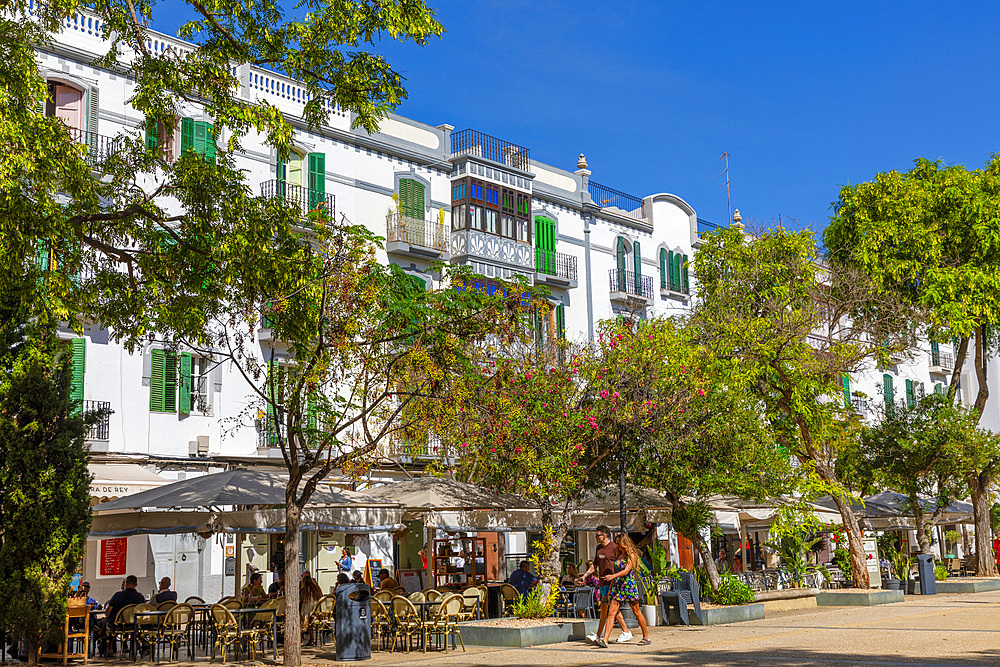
(604, 393)
(615, 395)
(701, 392)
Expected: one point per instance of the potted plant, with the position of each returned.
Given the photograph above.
(650, 577)
(900, 566)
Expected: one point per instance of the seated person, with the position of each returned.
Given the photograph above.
(165, 594)
(571, 576)
(522, 579)
(342, 578)
(126, 596)
(84, 592)
(277, 587)
(358, 577)
(386, 582)
(253, 592)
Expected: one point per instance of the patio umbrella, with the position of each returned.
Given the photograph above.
(890, 505)
(231, 487)
(439, 493)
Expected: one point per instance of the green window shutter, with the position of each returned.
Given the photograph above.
(939, 389)
(846, 383)
(663, 268)
(620, 262)
(199, 138)
(42, 255)
(169, 382)
(156, 380)
(281, 170)
(545, 245)
(209, 151)
(684, 274)
(317, 180)
(184, 391)
(910, 393)
(887, 391)
(675, 279)
(561, 321)
(187, 134)
(411, 198)
(152, 136)
(79, 365)
(637, 266)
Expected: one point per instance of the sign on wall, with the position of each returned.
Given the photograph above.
(113, 553)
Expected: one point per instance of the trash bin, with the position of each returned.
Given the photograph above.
(925, 574)
(353, 622)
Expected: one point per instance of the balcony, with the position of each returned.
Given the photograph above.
(942, 362)
(860, 405)
(416, 237)
(555, 269)
(516, 258)
(629, 289)
(477, 144)
(101, 430)
(615, 201)
(99, 147)
(295, 196)
(408, 451)
(669, 286)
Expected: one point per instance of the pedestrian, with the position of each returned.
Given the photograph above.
(604, 563)
(346, 562)
(624, 589)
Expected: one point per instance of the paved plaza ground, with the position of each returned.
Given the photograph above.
(925, 632)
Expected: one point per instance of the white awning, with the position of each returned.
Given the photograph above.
(114, 480)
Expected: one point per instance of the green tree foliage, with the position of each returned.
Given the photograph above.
(795, 329)
(929, 237)
(923, 452)
(44, 490)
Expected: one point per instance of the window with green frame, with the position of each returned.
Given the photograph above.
(163, 381)
(888, 393)
(198, 136)
(78, 367)
(412, 198)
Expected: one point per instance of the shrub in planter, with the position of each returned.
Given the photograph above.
(732, 590)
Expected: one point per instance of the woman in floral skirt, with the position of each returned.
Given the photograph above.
(624, 588)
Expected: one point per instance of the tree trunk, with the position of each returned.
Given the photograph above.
(920, 523)
(550, 569)
(859, 563)
(706, 557)
(34, 646)
(293, 629)
(979, 486)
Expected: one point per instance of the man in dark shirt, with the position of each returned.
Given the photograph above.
(522, 579)
(165, 594)
(277, 588)
(124, 598)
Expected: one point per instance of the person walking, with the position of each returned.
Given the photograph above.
(624, 589)
(604, 563)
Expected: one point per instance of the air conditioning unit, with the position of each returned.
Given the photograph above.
(199, 447)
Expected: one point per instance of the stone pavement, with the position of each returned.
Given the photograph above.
(921, 632)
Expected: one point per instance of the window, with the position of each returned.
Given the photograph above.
(911, 393)
(523, 230)
(507, 226)
(887, 391)
(491, 221)
(620, 253)
(163, 381)
(476, 217)
(193, 388)
(846, 383)
(160, 137)
(198, 136)
(78, 366)
(545, 245)
(291, 171)
(561, 321)
(317, 181)
(684, 274)
(491, 196)
(458, 217)
(411, 198)
(664, 269)
(65, 103)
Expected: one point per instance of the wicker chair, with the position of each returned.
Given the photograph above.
(123, 626)
(174, 628)
(509, 595)
(417, 596)
(166, 606)
(470, 604)
(432, 594)
(399, 590)
(384, 597)
(229, 633)
(265, 624)
(381, 624)
(408, 622)
(322, 619)
(193, 600)
(148, 626)
(232, 603)
(444, 622)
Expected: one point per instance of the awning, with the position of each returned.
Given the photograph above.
(114, 480)
(121, 524)
(438, 493)
(333, 519)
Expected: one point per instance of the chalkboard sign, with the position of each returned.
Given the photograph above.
(372, 567)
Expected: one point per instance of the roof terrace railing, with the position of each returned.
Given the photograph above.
(472, 142)
(605, 197)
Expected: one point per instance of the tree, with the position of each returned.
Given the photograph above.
(920, 452)
(796, 328)
(97, 223)
(699, 432)
(928, 236)
(44, 487)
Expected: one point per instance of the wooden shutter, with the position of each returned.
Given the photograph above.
(411, 198)
(676, 272)
(939, 389)
(152, 136)
(887, 391)
(664, 282)
(79, 363)
(187, 134)
(637, 266)
(93, 113)
(199, 138)
(156, 380)
(209, 151)
(42, 255)
(684, 273)
(561, 321)
(317, 180)
(169, 381)
(184, 387)
(620, 262)
(846, 384)
(910, 393)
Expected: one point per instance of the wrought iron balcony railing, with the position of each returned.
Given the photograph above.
(706, 227)
(555, 264)
(99, 147)
(943, 359)
(418, 232)
(605, 197)
(102, 429)
(673, 285)
(630, 283)
(860, 405)
(471, 142)
(296, 196)
(430, 448)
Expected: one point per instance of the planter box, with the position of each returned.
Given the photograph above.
(867, 598)
(721, 615)
(958, 586)
(484, 635)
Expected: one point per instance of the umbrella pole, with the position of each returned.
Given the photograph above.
(239, 564)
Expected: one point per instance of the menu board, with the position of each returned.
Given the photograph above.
(113, 552)
(372, 567)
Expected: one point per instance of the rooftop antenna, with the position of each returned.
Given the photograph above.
(729, 200)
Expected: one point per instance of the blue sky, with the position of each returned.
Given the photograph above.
(805, 97)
